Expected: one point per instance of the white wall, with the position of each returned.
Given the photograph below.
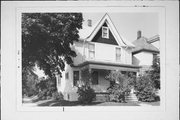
(103, 52)
(143, 58)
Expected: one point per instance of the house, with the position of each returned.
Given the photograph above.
(100, 49)
(145, 51)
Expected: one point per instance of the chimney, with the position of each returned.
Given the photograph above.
(138, 34)
(89, 22)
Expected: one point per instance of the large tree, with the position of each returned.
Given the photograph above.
(46, 40)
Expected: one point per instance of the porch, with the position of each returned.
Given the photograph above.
(96, 73)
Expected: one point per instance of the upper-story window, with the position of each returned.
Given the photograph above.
(118, 54)
(105, 32)
(91, 51)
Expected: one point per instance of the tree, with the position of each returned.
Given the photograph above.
(155, 72)
(29, 81)
(47, 40)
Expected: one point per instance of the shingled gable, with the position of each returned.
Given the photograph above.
(88, 33)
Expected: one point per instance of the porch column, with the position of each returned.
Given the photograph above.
(90, 79)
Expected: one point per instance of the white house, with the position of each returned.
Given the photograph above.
(99, 50)
(145, 51)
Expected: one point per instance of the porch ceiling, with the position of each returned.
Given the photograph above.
(108, 66)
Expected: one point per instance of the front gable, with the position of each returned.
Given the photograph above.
(98, 37)
(114, 37)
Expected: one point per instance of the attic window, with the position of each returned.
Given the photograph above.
(105, 32)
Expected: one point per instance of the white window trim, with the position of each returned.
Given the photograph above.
(120, 53)
(89, 50)
(107, 32)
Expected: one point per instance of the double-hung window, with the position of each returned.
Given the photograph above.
(105, 32)
(75, 77)
(91, 51)
(118, 54)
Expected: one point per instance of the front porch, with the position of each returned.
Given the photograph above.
(95, 73)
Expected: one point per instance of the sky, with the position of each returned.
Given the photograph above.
(128, 24)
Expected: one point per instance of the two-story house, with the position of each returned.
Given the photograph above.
(100, 49)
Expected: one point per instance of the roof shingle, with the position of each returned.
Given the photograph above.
(142, 44)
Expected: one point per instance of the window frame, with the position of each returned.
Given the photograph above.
(75, 81)
(67, 75)
(118, 55)
(91, 51)
(107, 32)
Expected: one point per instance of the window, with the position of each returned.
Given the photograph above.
(75, 77)
(118, 54)
(67, 75)
(105, 32)
(91, 51)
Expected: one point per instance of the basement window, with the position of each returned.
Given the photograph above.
(105, 32)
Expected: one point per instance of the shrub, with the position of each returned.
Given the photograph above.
(145, 89)
(58, 96)
(119, 87)
(46, 89)
(117, 94)
(86, 94)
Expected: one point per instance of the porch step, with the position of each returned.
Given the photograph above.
(131, 98)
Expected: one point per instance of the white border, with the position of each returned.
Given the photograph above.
(9, 63)
(159, 10)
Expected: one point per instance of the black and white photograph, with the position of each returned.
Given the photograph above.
(90, 59)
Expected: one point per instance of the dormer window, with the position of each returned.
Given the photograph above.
(105, 32)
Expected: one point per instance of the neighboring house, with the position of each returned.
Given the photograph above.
(145, 51)
(99, 50)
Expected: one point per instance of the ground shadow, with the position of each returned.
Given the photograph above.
(66, 103)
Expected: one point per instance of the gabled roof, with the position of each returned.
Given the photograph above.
(142, 44)
(88, 33)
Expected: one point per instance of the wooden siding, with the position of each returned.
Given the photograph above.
(98, 37)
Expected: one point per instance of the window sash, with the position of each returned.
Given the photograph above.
(105, 32)
(118, 54)
(91, 51)
(75, 77)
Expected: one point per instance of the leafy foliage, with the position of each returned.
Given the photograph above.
(120, 86)
(145, 88)
(29, 81)
(85, 77)
(46, 40)
(155, 72)
(86, 94)
(46, 88)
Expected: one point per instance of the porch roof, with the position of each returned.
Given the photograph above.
(108, 66)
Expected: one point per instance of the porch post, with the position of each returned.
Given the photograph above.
(90, 79)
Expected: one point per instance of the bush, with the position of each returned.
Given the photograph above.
(145, 89)
(86, 94)
(117, 94)
(46, 89)
(58, 96)
(120, 86)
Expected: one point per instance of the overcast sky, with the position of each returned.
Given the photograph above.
(128, 24)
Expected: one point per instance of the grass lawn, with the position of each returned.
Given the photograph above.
(76, 103)
(52, 102)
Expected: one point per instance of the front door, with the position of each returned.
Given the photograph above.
(94, 77)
